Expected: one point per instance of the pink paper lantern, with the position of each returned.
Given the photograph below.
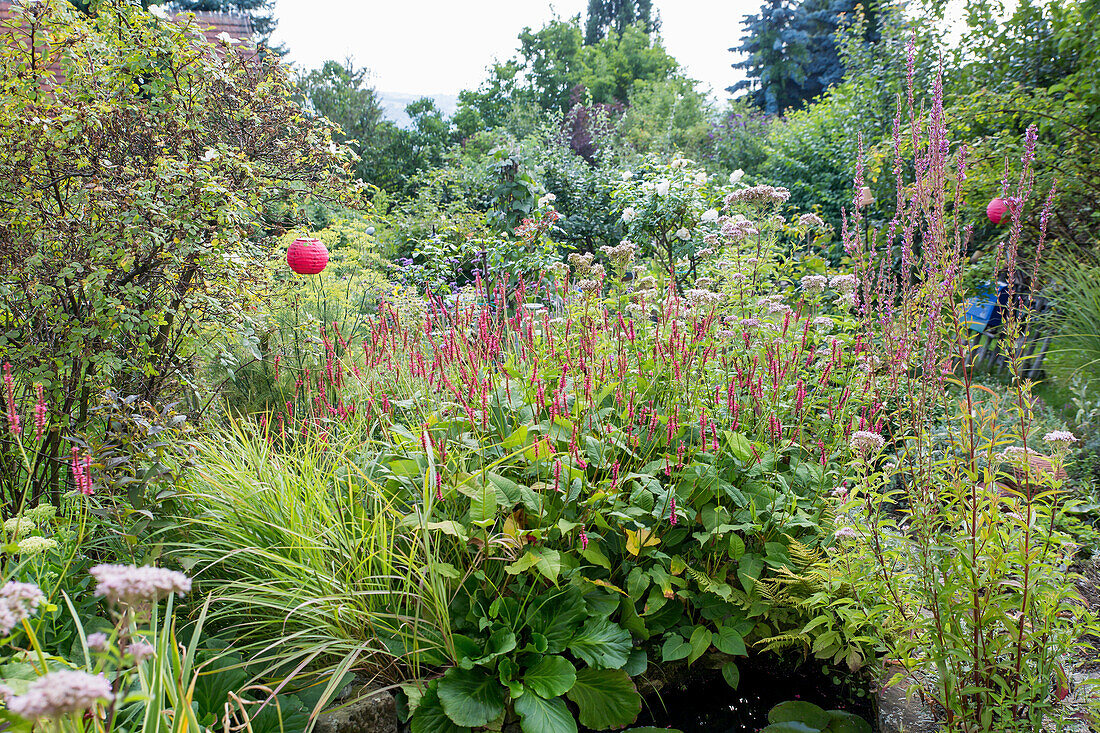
(996, 210)
(307, 256)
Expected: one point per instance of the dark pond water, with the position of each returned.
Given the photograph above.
(704, 702)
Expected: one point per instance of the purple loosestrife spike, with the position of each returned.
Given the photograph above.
(9, 400)
(39, 413)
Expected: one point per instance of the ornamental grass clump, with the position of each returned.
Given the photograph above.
(953, 556)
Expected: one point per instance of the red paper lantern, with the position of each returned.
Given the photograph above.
(996, 210)
(307, 256)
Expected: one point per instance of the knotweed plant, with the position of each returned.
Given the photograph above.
(575, 474)
(953, 543)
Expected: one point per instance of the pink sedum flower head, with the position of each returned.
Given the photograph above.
(864, 443)
(140, 650)
(18, 601)
(97, 642)
(60, 693)
(131, 584)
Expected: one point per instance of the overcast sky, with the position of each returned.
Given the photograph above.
(429, 47)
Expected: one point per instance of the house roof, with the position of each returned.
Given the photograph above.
(238, 26)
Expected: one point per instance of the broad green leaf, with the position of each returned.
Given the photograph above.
(675, 648)
(516, 439)
(601, 643)
(594, 555)
(543, 559)
(789, 727)
(471, 697)
(430, 717)
(700, 642)
(841, 721)
(737, 547)
(605, 698)
(557, 619)
(551, 677)
(637, 663)
(538, 715)
(731, 674)
(728, 641)
(748, 570)
(799, 711)
(483, 505)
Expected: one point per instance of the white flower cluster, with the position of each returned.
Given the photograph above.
(621, 254)
(814, 284)
(758, 195)
(1060, 439)
(811, 221)
(700, 297)
(864, 442)
(30, 546)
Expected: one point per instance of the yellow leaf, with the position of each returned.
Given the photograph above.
(605, 584)
(635, 541)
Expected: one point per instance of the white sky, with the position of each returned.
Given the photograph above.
(427, 47)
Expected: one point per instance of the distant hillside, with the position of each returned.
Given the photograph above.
(393, 105)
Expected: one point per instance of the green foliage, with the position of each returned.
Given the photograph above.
(138, 189)
(805, 717)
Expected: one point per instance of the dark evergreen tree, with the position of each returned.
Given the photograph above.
(615, 15)
(791, 51)
(777, 52)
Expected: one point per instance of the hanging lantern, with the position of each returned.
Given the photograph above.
(996, 210)
(866, 198)
(307, 256)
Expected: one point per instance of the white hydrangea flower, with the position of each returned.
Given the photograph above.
(683, 233)
(226, 38)
(736, 175)
(209, 155)
(662, 188)
(629, 214)
(158, 11)
(710, 215)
